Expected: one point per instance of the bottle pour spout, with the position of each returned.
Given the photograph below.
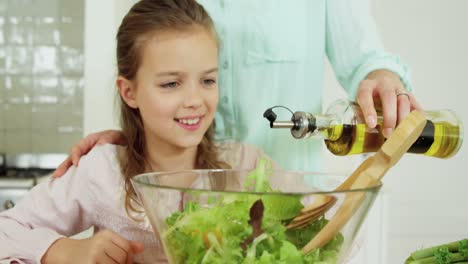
(302, 124)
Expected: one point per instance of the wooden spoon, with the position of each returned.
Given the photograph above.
(368, 174)
(324, 202)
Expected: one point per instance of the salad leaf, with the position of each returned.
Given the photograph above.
(246, 228)
(256, 216)
(279, 207)
(282, 207)
(300, 237)
(257, 179)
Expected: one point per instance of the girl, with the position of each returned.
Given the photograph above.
(167, 82)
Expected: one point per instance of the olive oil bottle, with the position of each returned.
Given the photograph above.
(344, 131)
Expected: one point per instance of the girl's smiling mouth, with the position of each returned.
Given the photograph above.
(190, 123)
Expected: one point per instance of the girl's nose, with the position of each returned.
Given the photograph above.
(193, 97)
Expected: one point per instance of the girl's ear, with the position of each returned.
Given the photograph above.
(127, 90)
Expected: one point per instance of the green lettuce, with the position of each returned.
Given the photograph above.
(224, 233)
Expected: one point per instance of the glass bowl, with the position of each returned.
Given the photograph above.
(217, 216)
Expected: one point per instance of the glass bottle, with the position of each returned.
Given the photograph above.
(345, 132)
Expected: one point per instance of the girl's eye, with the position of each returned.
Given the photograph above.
(170, 85)
(209, 81)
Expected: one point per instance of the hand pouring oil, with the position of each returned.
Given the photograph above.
(344, 131)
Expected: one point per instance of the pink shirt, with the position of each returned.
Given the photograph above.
(91, 194)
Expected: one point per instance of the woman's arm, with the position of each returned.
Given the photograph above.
(354, 47)
(367, 72)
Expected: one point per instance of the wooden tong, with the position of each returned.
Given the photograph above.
(368, 174)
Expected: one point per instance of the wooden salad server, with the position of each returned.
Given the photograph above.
(368, 174)
(323, 202)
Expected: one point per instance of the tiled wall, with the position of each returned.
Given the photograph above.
(41, 75)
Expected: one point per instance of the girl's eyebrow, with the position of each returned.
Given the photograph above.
(170, 73)
(176, 73)
(211, 70)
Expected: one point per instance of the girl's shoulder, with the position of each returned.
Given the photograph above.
(102, 154)
(101, 160)
(239, 155)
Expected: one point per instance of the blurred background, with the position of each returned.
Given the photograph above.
(57, 72)
(41, 75)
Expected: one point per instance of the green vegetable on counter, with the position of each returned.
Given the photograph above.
(455, 252)
(246, 228)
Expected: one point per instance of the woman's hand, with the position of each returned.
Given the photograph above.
(85, 145)
(105, 247)
(384, 88)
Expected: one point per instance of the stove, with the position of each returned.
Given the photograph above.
(20, 172)
(32, 173)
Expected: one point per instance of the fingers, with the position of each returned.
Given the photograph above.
(75, 154)
(383, 86)
(122, 250)
(366, 102)
(414, 103)
(77, 151)
(389, 110)
(112, 136)
(103, 259)
(137, 247)
(84, 146)
(107, 258)
(116, 254)
(125, 246)
(103, 137)
(62, 168)
(404, 106)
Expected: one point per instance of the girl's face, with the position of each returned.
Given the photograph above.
(176, 88)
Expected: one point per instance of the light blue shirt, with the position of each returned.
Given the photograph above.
(273, 53)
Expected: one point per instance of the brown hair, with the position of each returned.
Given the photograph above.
(144, 19)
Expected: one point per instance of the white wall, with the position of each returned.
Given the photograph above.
(426, 198)
(423, 202)
(101, 21)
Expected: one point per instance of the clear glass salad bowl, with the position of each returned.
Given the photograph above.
(240, 216)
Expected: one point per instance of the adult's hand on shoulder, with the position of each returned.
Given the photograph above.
(85, 145)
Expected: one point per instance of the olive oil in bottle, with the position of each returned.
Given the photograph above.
(439, 140)
(344, 131)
